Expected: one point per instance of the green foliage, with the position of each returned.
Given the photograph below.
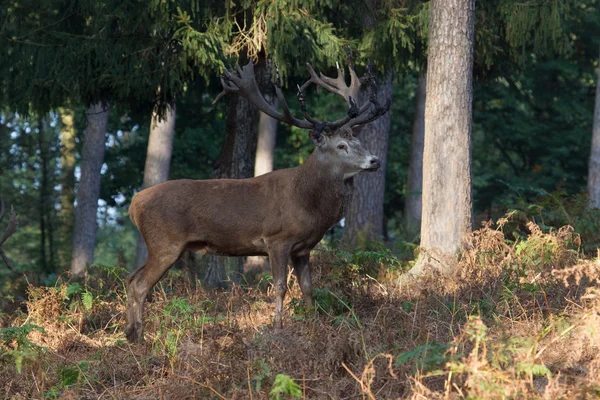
(97, 54)
(356, 264)
(14, 343)
(425, 358)
(539, 24)
(553, 210)
(68, 376)
(285, 385)
(263, 373)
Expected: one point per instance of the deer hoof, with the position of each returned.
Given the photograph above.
(133, 332)
(277, 324)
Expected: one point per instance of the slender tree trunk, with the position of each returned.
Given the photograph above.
(594, 163)
(43, 195)
(158, 162)
(413, 204)
(67, 180)
(265, 150)
(92, 157)
(267, 137)
(447, 203)
(47, 135)
(364, 214)
(236, 161)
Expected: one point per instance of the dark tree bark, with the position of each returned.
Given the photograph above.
(67, 180)
(594, 163)
(447, 203)
(413, 204)
(43, 196)
(92, 157)
(364, 214)
(158, 162)
(236, 161)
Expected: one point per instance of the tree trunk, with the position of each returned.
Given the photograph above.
(158, 162)
(236, 161)
(413, 204)
(267, 137)
(43, 196)
(447, 203)
(67, 180)
(594, 164)
(92, 157)
(364, 214)
(265, 149)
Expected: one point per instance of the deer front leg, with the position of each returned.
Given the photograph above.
(303, 270)
(139, 282)
(278, 259)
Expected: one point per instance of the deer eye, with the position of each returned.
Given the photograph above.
(341, 146)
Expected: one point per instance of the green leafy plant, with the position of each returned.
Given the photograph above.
(426, 358)
(285, 385)
(14, 342)
(264, 372)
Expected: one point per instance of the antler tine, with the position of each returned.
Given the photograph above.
(375, 113)
(338, 85)
(244, 84)
(310, 119)
(226, 90)
(342, 86)
(340, 81)
(362, 117)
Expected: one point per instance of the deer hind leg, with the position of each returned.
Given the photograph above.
(302, 269)
(278, 259)
(139, 282)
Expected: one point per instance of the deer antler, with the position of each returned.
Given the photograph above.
(10, 229)
(243, 82)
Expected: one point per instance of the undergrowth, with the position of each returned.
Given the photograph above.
(519, 318)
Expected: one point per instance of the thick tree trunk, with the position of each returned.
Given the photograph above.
(447, 203)
(158, 162)
(364, 214)
(594, 164)
(67, 181)
(92, 157)
(413, 203)
(236, 161)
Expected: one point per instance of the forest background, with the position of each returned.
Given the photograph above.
(90, 89)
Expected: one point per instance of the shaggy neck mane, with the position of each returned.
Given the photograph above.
(321, 185)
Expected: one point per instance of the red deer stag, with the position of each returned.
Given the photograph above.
(282, 214)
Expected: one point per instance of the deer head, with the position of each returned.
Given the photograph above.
(334, 140)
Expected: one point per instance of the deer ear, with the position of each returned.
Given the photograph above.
(317, 138)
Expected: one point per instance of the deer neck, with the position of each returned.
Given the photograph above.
(320, 186)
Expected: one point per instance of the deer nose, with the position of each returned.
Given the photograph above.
(375, 163)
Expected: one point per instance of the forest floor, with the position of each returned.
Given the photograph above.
(519, 319)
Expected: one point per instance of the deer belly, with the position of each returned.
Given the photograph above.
(232, 248)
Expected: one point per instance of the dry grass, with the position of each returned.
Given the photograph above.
(518, 320)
